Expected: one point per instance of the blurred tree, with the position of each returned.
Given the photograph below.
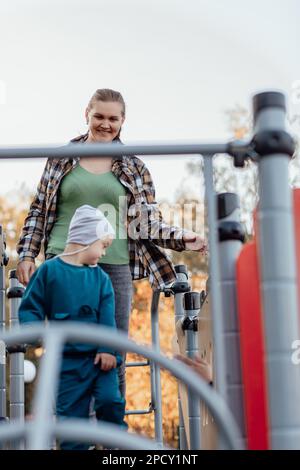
(243, 181)
(13, 209)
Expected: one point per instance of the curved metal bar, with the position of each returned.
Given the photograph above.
(12, 430)
(109, 435)
(94, 334)
(79, 431)
(38, 437)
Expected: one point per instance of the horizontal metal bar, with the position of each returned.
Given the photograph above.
(139, 412)
(115, 149)
(137, 364)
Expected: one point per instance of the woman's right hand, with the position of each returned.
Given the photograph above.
(200, 366)
(25, 270)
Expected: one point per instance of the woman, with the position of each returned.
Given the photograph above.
(71, 182)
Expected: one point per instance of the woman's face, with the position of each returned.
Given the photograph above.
(104, 120)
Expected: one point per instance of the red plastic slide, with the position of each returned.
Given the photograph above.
(252, 336)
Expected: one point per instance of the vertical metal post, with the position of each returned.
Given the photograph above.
(155, 370)
(3, 263)
(17, 389)
(182, 276)
(192, 306)
(214, 268)
(231, 237)
(2, 381)
(274, 147)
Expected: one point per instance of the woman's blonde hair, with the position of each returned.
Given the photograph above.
(106, 94)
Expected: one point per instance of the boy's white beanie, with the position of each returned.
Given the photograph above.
(89, 224)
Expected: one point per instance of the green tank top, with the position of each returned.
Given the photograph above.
(103, 191)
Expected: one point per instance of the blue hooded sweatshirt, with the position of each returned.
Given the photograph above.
(63, 292)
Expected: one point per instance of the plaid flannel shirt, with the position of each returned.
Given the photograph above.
(146, 254)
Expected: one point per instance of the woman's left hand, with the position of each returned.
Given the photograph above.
(194, 242)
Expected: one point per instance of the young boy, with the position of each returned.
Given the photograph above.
(71, 286)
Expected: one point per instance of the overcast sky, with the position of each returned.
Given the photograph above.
(179, 65)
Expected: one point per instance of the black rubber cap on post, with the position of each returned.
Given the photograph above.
(181, 268)
(15, 292)
(227, 203)
(231, 230)
(268, 99)
(192, 301)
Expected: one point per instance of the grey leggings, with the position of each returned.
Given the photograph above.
(121, 279)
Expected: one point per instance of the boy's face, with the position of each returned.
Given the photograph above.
(96, 251)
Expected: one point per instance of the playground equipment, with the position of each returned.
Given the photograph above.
(256, 384)
(38, 435)
(194, 330)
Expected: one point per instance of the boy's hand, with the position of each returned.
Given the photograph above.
(106, 361)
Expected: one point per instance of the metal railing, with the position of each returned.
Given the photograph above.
(39, 434)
